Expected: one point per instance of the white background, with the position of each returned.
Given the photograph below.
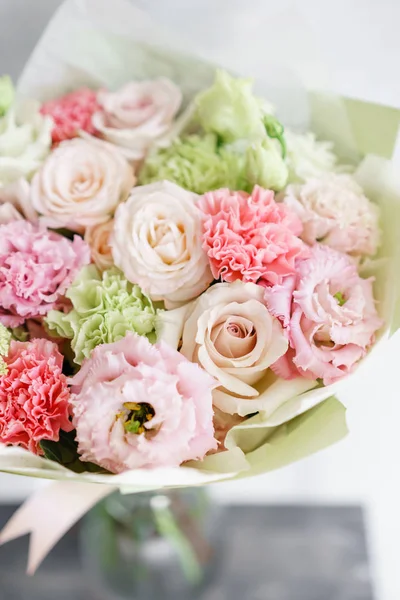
(359, 42)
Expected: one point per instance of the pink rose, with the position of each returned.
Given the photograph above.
(137, 115)
(34, 395)
(335, 212)
(71, 113)
(140, 406)
(36, 268)
(98, 238)
(81, 184)
(330, 314)
(250, 237)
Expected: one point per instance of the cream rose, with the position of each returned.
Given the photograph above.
(25, 141)
(335, 212)
(98, 238)
(137, 115)
(231, 334)
(81, 184)
(157, 243)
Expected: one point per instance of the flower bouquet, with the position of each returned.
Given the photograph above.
(185, 282)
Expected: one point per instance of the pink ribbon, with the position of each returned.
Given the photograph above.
(49, 514)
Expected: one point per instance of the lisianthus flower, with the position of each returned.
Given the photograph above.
(195, 163)
(25, 141)
(105, 306)
(330, 316)
(141, 406)
(335, 212)
(307, 157)
(5, 338)
(34, 395)
(230, 110)
(15, 202)
(137, 115)
(81, 184)
(36, 268)
(157, 243)
(230, 333)
(250, 237)
(71, 113)
(7, 94)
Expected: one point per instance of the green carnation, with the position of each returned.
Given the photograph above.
(5, 338)
(230, 110)
(197, 164)
(265, 166)
(6, 94)
(105, 307)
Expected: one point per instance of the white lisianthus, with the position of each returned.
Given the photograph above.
(25, 141)
(137, 115)
(334, 211)
(157, 243)
(15, 202)
(80, 184)
(308, 157)
(231, 334)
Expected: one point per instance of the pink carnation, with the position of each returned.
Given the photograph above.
(330, 316)
(140, 406)
(72, 113)
(36, 268)
(250, 237)
(34, 395)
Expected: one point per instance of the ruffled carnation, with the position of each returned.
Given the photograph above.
(141, 406)
(196, 164)
(250, 237)
(330, 314)
(72, 113)
(34, 396)
(105, 307)
(335, 212)
(307, 157)
(36, 268)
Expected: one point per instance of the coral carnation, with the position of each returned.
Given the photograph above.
(71, 113)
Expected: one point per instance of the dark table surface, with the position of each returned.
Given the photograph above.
(271, 553)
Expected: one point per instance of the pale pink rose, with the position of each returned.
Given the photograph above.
(36, 268)
(98, 238)
(71, 113)
(141, 406)
(137, 115)
(34, 395)
(81, 184)
(250, 237)
(335, 212)
(331, 320)
(157, 243)
(16, 203)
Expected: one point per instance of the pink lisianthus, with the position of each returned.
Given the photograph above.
(140, 406)
(330, 316)
(250, 237)
(36, 268)
(34, 395)
(71, 113)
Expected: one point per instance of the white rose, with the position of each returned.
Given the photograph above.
(334, 211)
(137, 115)
(25, 141)
(157, 243)
(81, 184)
(15, 199)
(231, 334)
